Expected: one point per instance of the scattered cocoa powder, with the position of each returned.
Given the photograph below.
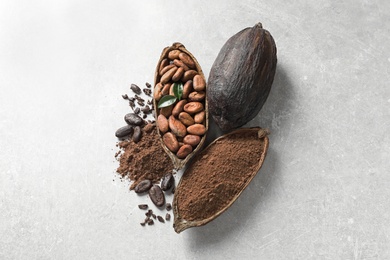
(145, 159)
(217, 175)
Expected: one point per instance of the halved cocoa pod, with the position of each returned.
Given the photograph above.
(217, 176)
(178, 55)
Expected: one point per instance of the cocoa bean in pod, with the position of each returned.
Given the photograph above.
(192, 140)
(133, 119)
(178, 108)
(166, 111)
(189, 75)
(187, 89)
(183, 151)
(167, 182)
(199, 83)
(199, 117)
(179, 63)
(157, 92)
(174, 54)
(168, 75)
(124, 131)
(197, 96)
(236, 91)
(171, 142)
(178, 74)
(162, 123)
(157, 196)
(166, 68)
(187, 60)
(176, 127)
(143, 186)
(186, 119)
(193, 107)
(196, 129)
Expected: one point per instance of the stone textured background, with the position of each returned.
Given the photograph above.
(323, 192)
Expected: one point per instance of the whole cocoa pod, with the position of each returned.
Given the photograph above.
(241, 77)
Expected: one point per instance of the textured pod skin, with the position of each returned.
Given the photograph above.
(241, 77)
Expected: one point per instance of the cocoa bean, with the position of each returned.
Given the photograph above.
(171, 142)
(157, 91)
(192, 140)
(137, 134)
(199, 83)
(124, 131)
(177, 127)
(199, 117)
(187, 60)
(165, 90)
(166, 111)
(184, 151)
(197, 96)
(171, 90)
(143, 186)
(174, 54)
(166, 68)
(196, 129)
(178, 74)
(186, 119)
(163, 64)
(187, 89)
(178, 108)
(162, 122)
(168, 75)
(179, 63)
(167, 182)
(189, 75)
(133, 119)
(135, 89)
(157, 196)
(193, 107)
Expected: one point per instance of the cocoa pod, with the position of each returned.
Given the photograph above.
(196, 129)
(177, 127)
(236, 91)
(186, 119)
(193, 107)
(183, 151)
(171, 142)
(178, 108)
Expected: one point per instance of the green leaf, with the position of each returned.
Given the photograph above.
(178, 90)
(166, 101)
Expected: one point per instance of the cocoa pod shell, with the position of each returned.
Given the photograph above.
(178, 162)
(180, 224)
(236, 91)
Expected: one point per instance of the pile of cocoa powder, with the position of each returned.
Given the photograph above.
(218, 174)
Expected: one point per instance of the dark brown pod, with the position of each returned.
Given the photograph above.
(236, 91)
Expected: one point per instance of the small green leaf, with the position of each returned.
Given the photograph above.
(166, 101)
(178, 90)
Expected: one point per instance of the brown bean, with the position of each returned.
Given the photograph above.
(171, 90)
(193, 140)
(166, 68)
(163, 64)
(174, 54)
(167, 182)
(178, 74)
(199, 83)
(199, 117)
(187, 89)
(193, 107)
(143, 186)
(137, 134)
(165, 90)
(162, 123)
(196, 129)
(189, 75)
(177, 127)
(186, 119)
(197, 96)
(179, 107)
(187, 60)
(157, 195)
(168, 75)
(171, 142)
(166, 111)
(184, 151)
(179, 63)
(157, 91)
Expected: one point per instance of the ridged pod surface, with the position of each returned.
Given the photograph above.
(241, 77)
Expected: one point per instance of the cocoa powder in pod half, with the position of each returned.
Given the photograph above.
(217, 176)
(179, 73)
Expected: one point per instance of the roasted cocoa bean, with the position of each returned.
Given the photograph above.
(124, 131)
(185, 150)
(162, 122)
(178, 74)
(176, 127)
(178, 108)
(157, 196)
(167, 182)
(143, 186)
(166, 111)
(133, 119)
(174, 54)
(193, 107)
(137, 134)
(189, 75)
(147, 84)
(135, 89)
(199, 117)
(179, 63)
(171, 142)
(197, 96)
(192, 140)
(168, 75)
(168, 206)
(196, 129)
(166, 68)
(187, 60)
(187, 89)
(143, 206)
(199, 83)
(161, 219)
(167, 217)
(186, 119)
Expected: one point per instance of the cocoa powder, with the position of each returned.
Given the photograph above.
(217, 175)
(145, 159)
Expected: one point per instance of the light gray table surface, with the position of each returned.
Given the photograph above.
(323, 191)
